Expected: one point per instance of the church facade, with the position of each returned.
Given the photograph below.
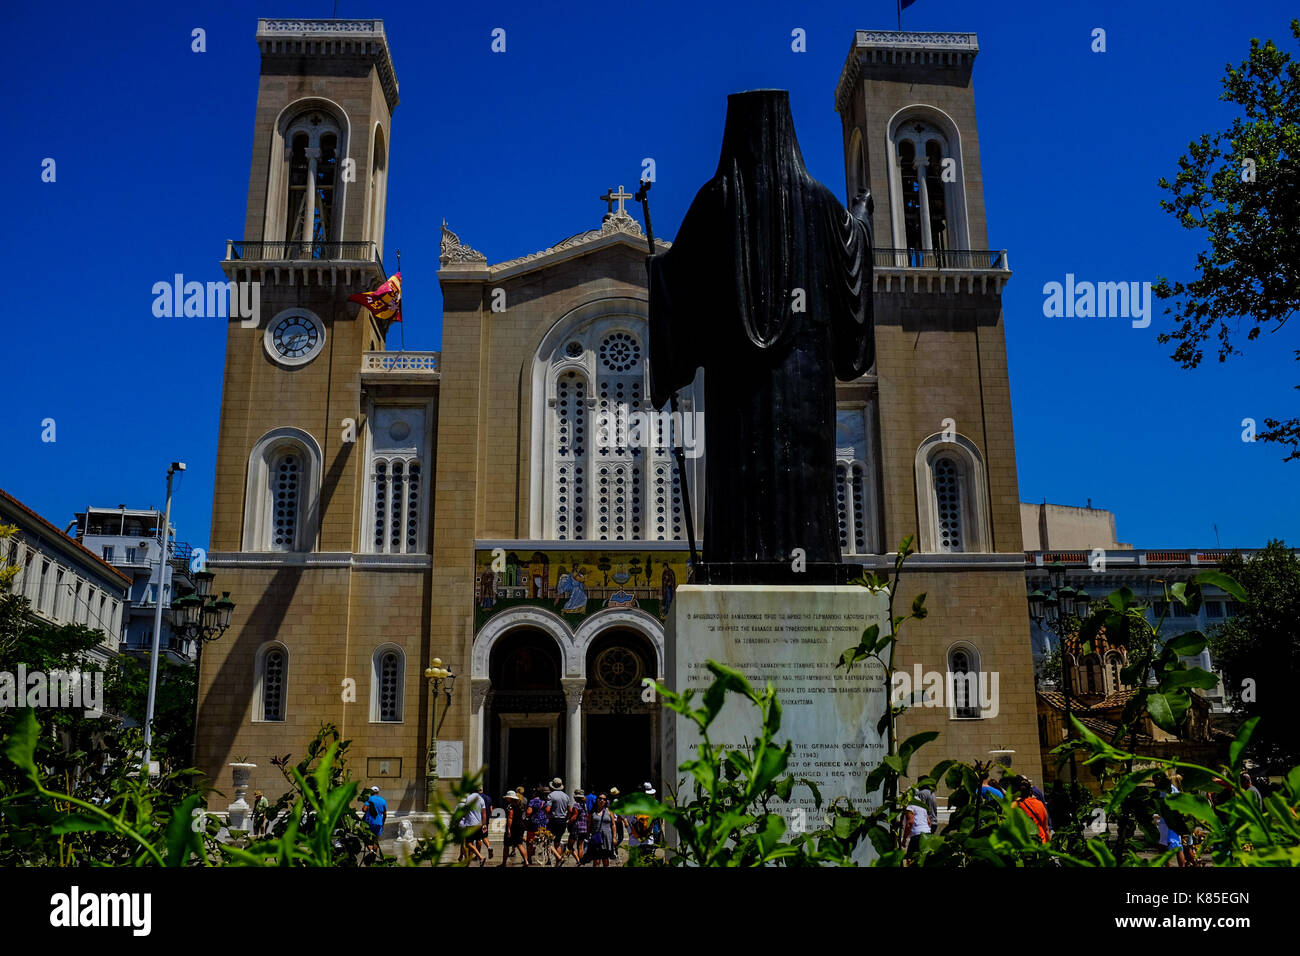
(512, 505)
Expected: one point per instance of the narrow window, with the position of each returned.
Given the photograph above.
(389, 687)
(964, 682)
(911, 191)
(285, 496)
(299, 171)
(1113, 662)
(947, 494)
(935, 192)
(326, 168)
(395, 509)
(273, 675)
(381, 503)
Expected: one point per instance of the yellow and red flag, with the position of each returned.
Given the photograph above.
(386, 301)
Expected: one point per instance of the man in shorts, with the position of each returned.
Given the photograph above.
(557, 811)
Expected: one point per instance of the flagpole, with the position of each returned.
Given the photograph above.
(399, 302)
(900, 16)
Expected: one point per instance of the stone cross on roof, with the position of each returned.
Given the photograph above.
(621, 196)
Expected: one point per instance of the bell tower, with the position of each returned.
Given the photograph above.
(945, 444)
(293, 434)
(313, 235)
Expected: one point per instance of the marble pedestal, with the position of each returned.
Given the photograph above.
(791, 636)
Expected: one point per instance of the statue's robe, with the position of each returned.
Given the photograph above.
(767, 287)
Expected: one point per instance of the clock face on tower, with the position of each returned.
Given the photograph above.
(294, 337)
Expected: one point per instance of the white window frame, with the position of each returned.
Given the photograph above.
(259, 505)
(290, 121)
(973, 658)
(590, 324)
(977, 536)
(422, 455)
(376, 675)
(941, 128)
(259, 684)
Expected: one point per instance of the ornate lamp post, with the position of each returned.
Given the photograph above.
(437, 675)
(1056, 610)
(201, 618)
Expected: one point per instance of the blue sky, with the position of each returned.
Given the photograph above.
(152, 144)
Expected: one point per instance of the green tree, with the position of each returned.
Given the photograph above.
(1242, 187)
(1258, 651)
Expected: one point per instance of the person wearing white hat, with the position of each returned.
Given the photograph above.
(514, 827)
(376, 814)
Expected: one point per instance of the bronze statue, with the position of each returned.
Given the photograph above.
(767, 287)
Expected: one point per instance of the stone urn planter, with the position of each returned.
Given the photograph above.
(238, 811)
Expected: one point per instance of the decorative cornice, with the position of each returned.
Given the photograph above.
(453, 250)
(883, 47)
(319, 559)
(332, 38)
(614, 225)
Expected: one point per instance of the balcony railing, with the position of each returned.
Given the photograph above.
(970, 260)
(258, 250)
(400, 362)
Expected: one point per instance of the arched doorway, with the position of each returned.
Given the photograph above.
(620, 727)
(525, 731)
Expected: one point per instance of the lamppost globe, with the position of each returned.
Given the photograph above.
(203, 583)
(1056, 574)
(1037, 600)
(1082, 603)
(225, 608)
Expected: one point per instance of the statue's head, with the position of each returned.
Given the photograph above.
(759, 130)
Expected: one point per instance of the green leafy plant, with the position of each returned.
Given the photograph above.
(727, 819)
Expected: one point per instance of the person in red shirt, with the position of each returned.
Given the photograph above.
(1034, 807)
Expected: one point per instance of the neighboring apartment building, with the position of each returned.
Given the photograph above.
(65, 582)
(128, 539)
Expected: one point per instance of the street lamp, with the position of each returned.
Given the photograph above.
(157, 621)
(201, 618)
(437, 675)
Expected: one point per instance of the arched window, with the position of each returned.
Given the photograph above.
(855, 170)
(387, 684)
(948, 500)
(608, 472)
(570, 458)
(312, 152)
(283, 496)
(927, 198)
(1114, 664)
(855, 487)
(964, 681)
(378, 188)
(272, 677)
(397, 441)
(952, 502)
(1093, 683)
(286, 496)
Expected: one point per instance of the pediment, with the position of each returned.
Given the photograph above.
(616, 230)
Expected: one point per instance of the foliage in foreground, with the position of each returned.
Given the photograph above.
(44, 822)
(728, 819)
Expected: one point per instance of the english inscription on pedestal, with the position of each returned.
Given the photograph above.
(792, 637)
